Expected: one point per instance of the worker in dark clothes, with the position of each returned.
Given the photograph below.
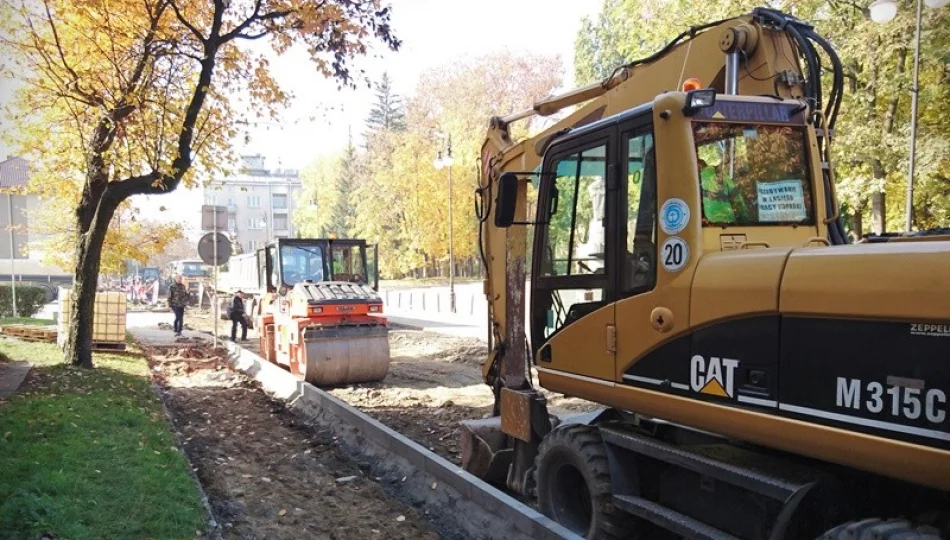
(238, 316)
(177, 300)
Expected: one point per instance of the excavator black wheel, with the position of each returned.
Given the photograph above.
(880, 529)
(573, 484)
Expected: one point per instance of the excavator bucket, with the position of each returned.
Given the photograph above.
(345, 354)
(484, 449)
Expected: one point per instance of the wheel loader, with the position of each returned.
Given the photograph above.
(759, 376)
(315, 305)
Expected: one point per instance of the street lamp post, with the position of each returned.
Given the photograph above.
(12, 255)
(439, 163)
(884, 11)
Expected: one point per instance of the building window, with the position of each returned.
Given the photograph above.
(280, 222)
(280, 200)
(253, 201)
(232, 224)
(253, 224)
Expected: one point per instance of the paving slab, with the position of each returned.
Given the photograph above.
(12, 375)
(157, 337)
(144, 326)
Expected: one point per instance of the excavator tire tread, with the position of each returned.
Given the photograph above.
(880, 529)
(582, 447)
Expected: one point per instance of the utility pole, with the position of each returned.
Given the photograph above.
(214, 326)
(439, 163)
(12, 254)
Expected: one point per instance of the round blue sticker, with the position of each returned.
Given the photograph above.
(674, 215)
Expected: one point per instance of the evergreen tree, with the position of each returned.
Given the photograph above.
(345, 212)
(388, 114)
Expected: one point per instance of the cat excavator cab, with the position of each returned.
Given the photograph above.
(759, 376)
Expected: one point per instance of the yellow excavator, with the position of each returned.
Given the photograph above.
(760, 376)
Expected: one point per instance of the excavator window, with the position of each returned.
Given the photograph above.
(639, 272)
(753, 174)
(571, 243)
(576, 229)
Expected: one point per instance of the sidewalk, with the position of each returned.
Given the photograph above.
(443, 323)
(143, 325)
(12, 375)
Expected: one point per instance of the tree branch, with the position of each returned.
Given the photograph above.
(181, 18)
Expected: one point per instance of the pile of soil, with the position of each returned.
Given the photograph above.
(265, 473)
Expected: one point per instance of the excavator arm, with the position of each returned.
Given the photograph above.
(756, 54)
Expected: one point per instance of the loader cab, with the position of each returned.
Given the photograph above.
(286, 262)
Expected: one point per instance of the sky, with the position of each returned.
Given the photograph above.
(433, 33)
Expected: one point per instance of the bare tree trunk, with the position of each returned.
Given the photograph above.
(857, 224)
(878, 201)
(93, 217)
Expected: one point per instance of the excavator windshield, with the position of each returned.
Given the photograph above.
(753, 174)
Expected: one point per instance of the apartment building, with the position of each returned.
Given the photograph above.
(260, 202)
(16, 211)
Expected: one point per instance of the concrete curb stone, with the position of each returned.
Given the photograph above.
(465, 503)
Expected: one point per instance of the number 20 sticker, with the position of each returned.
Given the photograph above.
(674, 253)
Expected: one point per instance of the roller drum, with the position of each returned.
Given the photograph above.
(346, 354)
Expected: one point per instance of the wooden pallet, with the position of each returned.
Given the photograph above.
(31, 333)
(108, 346)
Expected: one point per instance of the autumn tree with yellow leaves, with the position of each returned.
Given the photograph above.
(389, 192)
(129, 97)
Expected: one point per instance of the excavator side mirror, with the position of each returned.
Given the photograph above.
(506, 200)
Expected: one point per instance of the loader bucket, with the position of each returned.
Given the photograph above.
(345, 354)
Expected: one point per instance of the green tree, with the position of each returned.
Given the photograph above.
(871, 144)
(388, 113)
(329, 183)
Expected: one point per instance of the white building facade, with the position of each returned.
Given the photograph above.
(16, 212)
(260, 202)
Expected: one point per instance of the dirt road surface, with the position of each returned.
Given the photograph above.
(267, 475)
(434, 382)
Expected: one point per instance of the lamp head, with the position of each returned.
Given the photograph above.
(884, 11)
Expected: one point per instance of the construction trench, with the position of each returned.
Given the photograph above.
(279, 458)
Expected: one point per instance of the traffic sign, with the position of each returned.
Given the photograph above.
(208, 214)
(206, 248)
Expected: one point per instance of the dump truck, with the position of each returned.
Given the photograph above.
(315, 304)
(196, 277)
(759, 375)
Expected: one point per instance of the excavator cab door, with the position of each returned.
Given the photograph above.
(573, 264)
(595, 246)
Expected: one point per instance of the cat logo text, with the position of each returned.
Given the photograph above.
(715, 377)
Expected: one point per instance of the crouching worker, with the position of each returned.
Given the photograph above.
(238, 316)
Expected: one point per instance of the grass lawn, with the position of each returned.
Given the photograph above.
(26, 320)
(89, 454)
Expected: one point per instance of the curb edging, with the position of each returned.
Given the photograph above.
(524, 520)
